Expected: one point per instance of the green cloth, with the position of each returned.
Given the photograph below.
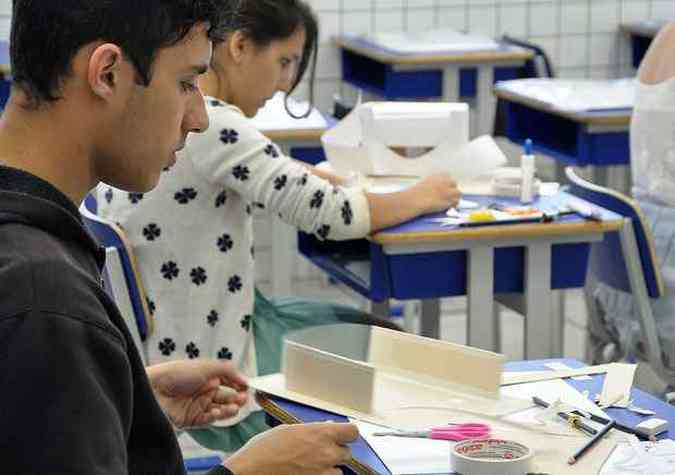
(271, 321)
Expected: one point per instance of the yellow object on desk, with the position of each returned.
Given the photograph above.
(482, 215)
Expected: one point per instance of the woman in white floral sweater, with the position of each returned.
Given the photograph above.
(193, 235)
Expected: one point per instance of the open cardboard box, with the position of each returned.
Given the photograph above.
(369, 139)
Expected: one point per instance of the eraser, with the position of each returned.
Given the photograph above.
(652, 426)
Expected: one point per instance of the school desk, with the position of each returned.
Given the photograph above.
(302, 144)
(448, 76)
(580, 138)
(641, 35)
(366, 456)
(519, 265)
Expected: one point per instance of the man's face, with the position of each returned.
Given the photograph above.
(152, 123)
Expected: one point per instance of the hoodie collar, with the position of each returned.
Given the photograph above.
(37, 202)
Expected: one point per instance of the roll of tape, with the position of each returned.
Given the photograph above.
(491, 457)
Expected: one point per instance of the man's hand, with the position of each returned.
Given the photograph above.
(302, 449)
(190, 391)
(437, 193)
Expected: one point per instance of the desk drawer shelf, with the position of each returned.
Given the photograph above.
(566, 140)
(400, 276)
(384, 80)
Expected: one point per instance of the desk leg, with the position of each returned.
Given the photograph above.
(480, 293)
(538, 315)
(451, 84)
(283, 247)
(558, 323)
(381, 309)
(600, 175)
(560, 176)
(430, 323)
(486, 103)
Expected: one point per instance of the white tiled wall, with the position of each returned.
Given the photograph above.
(581, 36)
(5, 17)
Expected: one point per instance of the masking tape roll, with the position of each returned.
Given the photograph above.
(491, 457)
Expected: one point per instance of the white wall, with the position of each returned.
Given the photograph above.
(581, 36)
(5, 16)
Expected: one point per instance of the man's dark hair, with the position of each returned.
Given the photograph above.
(46, 35)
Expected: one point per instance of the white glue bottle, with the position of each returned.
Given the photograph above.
(527, 173)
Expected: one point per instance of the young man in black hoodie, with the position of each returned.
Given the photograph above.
(106, 91)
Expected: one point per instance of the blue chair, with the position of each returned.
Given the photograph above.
(625, 261)
(122, 282)
(121, 277)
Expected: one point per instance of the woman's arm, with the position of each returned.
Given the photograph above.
(233, 154)
(332, 178)
(431, 195)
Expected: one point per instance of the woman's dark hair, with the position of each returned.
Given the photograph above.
(265, 21)
(47, 34)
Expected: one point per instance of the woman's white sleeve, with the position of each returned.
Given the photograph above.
(234, 154)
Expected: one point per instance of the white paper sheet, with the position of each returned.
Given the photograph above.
(617, 385)
(433, 41)
(273, 116)
(403, 455)
(576, 95)
(552, 390)
(656, 459)
(424, 456)
(558, 366)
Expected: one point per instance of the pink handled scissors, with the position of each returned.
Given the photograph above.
(454, 432)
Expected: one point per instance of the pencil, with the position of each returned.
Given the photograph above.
(573, 420)
(596, 438)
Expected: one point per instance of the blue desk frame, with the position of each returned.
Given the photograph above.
(447, 75)
(386, 81)
(444, 270)
(363, 453)
(570, 141)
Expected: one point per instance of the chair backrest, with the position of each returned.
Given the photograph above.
(121, 275)
(539, 66)
(625, 260)
(607, 258)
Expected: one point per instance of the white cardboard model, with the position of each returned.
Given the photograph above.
(365, 140)
(403, 381)
(371, 373)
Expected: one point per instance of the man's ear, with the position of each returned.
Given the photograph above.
(106, 65)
